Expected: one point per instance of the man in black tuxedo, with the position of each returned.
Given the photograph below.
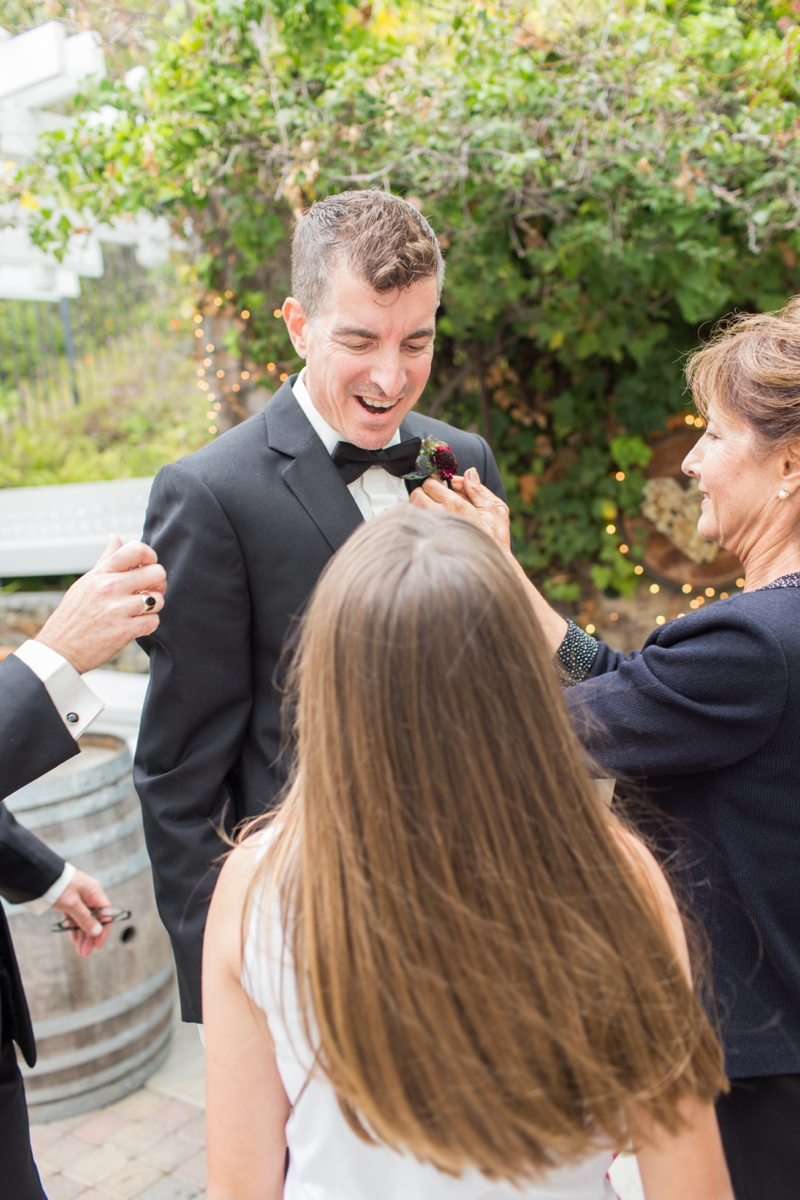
(245, 526)
(44, 707)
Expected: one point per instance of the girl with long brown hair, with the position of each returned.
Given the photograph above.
(443, 969)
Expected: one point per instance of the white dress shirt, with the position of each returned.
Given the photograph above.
(77, 706)
(376, 491)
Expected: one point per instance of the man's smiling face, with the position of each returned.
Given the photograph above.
(368, 355)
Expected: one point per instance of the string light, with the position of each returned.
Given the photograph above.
(624, 549)
(206, 362)
(689, 419)
(228, 295)
(218, 406)
(277, 314)
(609, 528)
(245, 314)
(201, 371)
(210, 347)
(637, 570)
(681, 615)
(740, 583)
(212, 429)
(284, 377)
(210, 416)
(590, 628)
(211, 396)
(661, 620)
(613, 616)
(270, 366)
(220, 374)
(245, 374)
(710, 592)
(201, 383)
(198, 333)
(235, 388)
(197, 319)
(620, 475)
(687, 587)
(655, 589)
(723, 595)
(218, 300)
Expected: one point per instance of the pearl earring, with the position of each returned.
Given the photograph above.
(783, 494)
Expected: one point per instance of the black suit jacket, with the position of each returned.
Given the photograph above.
(33, 740)
(244, 528)
(707, 719)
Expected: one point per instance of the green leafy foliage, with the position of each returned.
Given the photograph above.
(606, 182)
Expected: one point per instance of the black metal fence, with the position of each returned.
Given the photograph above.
(49, 351)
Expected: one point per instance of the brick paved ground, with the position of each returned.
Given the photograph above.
(148, 1146)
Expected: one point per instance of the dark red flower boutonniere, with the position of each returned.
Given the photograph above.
(434, 461)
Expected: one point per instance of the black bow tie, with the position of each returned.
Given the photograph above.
(351, 461)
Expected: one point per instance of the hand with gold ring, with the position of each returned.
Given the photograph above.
(109, 606)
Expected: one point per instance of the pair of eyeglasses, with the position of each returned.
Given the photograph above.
(106, 916)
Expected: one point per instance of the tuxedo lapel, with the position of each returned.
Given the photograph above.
(310, 475)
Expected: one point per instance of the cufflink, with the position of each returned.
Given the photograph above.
(73, 718)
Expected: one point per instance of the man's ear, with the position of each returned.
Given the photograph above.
(296, 324)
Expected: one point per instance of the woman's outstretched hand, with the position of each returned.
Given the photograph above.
(470, 499)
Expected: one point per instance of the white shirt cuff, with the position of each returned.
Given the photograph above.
(53, 893)
(76, 703)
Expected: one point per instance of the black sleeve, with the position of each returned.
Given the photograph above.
(699, 696)
(33, 740)
(197, 707)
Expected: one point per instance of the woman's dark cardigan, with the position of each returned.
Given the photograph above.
(707, 717)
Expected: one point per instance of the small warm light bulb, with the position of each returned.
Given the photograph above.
(245, 374)
(687, 587)
(210, 347)
(624, 549)
(218, 300)
(611, 529)
(218, 406)
(590, 628)
(284, 377)
(201, 371)
(613, 616)
(211, 396)
(681, 615)
(723, 595)
(637, 570)
(220, 374)
(245, 314)
(740, 583)
(228, 295)
(277, 314)
(236, 388)
(270, 366)
(210, 416)
(198, 333)
(694, 603)
(655, 589)
(212, 429)
(206, 362)
(689, 419)
(660, 620)
(197, 319)
(710, 592)
(620, 475)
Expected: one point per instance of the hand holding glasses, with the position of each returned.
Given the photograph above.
(106, 916)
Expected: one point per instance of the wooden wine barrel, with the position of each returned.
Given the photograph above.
(103, 1024)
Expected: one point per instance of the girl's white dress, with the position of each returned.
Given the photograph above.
(326, 1159)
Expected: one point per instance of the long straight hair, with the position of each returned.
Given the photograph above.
(480, 969)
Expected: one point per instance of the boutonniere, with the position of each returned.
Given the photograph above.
(434, 461)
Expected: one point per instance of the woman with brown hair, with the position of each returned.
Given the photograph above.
(458, 975)
(706, 718)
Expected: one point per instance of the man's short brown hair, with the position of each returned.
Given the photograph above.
(380, 238)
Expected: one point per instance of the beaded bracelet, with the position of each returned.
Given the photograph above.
(574, 657)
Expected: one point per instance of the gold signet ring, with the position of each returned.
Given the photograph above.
(148, 603)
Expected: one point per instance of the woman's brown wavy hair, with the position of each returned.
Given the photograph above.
(480, 968)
